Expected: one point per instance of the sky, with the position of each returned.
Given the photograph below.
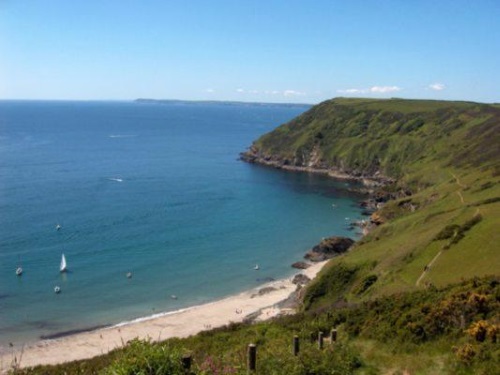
(254, 51)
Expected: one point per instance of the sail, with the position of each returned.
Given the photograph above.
(63, 263)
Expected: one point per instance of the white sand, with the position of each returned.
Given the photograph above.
(182, 323)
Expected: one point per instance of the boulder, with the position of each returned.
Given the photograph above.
(300, 279)
(329, 248)
(377, 219)
(263, 291)
(301, 265)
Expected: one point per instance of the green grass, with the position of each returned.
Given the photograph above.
(391, 136)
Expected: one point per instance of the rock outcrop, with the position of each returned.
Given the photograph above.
(301, 265)
(300, 279)
(329, 248)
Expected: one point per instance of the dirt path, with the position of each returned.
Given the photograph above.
(462, 200)
(459, 193)
(428, 267)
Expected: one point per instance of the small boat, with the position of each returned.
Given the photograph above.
(57, 289)
(256, 267)
(19, 271)
(173, 296)
(63, 267)
(129, 275)
(58, 227)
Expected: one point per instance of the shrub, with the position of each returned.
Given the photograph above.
(465, 353)
(332, 283)
(447, 232)
(367, 282)
(143, 358)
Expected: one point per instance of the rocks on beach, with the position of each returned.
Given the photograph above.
(300, 279)
(301, 265)
(329, 248)
(264, 291)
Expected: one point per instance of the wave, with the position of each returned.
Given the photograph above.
(270, 283)
(154, 316)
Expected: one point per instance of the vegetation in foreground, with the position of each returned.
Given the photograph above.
(453, 330)
(398, 298)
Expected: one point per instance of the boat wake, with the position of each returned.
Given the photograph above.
(115, 179)
(122, 135)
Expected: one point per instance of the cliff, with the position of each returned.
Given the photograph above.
(383, 140)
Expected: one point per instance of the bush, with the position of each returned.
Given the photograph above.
(367, 282)
(144, 358)
(332, 283)
(457, 232)
(447, 232)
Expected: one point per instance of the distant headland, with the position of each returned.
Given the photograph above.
(221, 102)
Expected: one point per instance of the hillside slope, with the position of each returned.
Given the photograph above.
(439, 161)
(362, 137)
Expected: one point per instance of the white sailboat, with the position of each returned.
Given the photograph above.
(63, 266)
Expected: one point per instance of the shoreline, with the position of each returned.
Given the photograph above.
(249, 304)
(252, 156)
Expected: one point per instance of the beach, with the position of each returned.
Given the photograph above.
(182, 323)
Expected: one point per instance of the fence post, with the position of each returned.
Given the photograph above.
(320, 340)
(252, 357)
(333, 335)
(186, 362)
(296, 344)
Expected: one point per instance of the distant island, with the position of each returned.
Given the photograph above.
(222, 102)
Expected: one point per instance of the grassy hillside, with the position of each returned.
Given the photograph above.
(394, 137)
(420, 294)
(445, 156)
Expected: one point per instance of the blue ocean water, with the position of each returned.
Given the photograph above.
(156, 190)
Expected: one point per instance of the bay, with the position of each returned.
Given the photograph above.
(152, 189)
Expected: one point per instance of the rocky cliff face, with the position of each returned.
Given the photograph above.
(313, 163)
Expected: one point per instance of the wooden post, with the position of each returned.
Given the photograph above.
(252, 357)
(320, 340)
(333, 335)
(296, 346)
(186, 362)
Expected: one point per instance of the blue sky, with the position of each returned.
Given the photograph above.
(270, 51)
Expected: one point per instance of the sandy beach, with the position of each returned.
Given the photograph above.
(181, 323)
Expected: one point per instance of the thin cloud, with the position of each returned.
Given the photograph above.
(384, 89)
(437, 86)
(273, 92)
(289, 93)
(245, 91)
(353, 91)
(285, 93)
(210, 91)
(373, 89)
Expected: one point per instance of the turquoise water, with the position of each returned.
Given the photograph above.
(156, 190)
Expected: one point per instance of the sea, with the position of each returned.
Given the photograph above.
(156, 190)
